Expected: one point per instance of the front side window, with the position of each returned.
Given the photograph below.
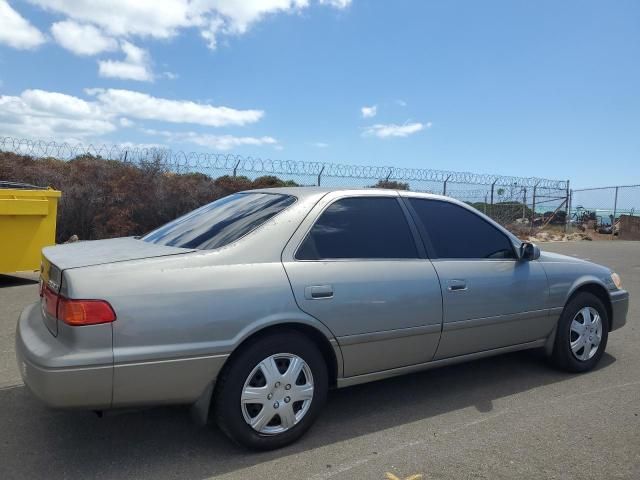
(221, 222)
(456, 232)
(360, 227)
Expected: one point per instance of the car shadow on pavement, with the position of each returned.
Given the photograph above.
(17, 280)
(164, 443)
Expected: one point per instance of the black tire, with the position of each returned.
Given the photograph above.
(562, 356)
(229, 385)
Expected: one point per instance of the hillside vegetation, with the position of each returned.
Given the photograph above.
(107, 198)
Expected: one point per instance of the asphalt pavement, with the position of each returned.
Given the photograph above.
(507, 417)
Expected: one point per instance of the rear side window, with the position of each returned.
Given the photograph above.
(221, 222)
(456, 232)
(360, 227)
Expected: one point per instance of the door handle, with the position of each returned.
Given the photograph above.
(316, 292)
(457, 285)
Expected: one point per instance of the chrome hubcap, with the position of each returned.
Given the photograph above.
(586, 333)
(277, 393)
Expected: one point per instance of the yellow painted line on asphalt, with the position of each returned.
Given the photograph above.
(391, 476)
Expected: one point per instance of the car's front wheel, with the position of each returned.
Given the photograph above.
(271, 391)
(582, 334)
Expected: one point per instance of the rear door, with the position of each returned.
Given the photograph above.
(356, 265)
(490, 298)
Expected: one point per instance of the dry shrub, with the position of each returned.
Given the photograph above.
(107, 198)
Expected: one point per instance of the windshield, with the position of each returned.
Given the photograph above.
(221, 222)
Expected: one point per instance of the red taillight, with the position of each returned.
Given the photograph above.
(78, 312)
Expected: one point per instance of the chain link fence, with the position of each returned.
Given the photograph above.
(528, 206)
(606, 211)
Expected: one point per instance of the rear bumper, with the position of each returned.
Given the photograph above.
(47, 368)
(619, 308)
(76, 369)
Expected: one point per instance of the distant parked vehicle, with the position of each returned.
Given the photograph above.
(253, 306)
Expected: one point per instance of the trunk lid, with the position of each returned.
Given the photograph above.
(98, 252)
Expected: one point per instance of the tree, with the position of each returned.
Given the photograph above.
(391, 184)
(271, 181)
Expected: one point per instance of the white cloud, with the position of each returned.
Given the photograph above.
(320, 144)
(216, 142)
(144, 106)
(145, 18)
(16, 31)
(336, 3)
(401, 103)
(393, 130)
(82, 39)
(211, 30)
(136, 65)
(156, 147)
(170, 75)
(236, 17)
(227, 142)
(42, 114)
(126, 17)
(369, 112)
(125, 122)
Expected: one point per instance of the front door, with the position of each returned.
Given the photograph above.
(491, 299)
(355, 265)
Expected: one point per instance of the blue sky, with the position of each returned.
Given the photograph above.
(530, 88)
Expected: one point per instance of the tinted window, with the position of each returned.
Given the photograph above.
(456, 232)
(220, 222)
(365, 227)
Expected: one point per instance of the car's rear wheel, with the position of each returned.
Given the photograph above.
(582, 334)
(271, 391)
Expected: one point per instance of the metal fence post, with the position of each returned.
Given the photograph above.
(444, 189)
(236, 168)
(524, 202)
(389, 175)
(567, 204)
(533, 207)
(493, 185)
(568, 222)
(615, 208)
(320, 174)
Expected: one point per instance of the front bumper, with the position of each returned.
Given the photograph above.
(619, 308)
(49, 367)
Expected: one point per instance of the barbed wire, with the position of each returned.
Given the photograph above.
(179, 160)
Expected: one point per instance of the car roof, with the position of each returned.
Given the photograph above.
(304, 192)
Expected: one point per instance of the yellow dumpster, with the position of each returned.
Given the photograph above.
(27, 224)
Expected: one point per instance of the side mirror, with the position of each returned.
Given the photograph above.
(529, 251)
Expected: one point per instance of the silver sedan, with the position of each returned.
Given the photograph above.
(251, 307)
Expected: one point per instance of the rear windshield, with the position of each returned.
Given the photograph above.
(221, 222)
